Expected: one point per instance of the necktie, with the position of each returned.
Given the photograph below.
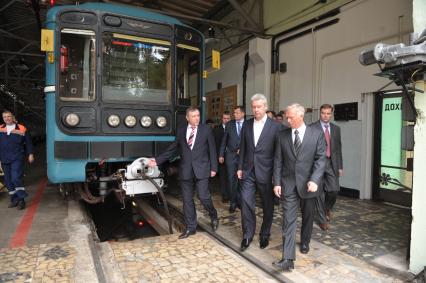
(297, 142)
(327, 139)
(191, 137)
(238, 128)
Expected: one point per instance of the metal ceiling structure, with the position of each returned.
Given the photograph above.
(22, 62)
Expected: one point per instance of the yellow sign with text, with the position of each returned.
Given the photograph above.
(47, 38)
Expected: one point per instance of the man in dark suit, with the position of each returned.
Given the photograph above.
(334, 167)
(255, 170)
(299, 165)
(229, 152)
(219, 132)
(195, 143)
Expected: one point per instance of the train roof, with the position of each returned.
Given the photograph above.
(125, 10)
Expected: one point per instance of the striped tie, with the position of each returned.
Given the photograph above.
(191, 137)
(297, 142)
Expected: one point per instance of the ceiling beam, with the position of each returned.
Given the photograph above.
(11, 35)
(7, 5)
(245, 15)
(172, 7)
(208, 22)
(21, 54)
(11, 58)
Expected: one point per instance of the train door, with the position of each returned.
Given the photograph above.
(393, 162)
(188, 80)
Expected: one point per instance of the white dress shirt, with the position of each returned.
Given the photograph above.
(258, 127)
(301, 130)
(188, 133)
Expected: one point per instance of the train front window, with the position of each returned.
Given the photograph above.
(77, 65)
(136, 69)
(188, 75)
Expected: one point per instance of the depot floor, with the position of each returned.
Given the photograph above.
(50, 241)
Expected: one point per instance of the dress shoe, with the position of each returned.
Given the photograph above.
(232, 207)
(304, 248)
(245, 243)
(284, 264)
(12, 204)
(21, 204)
(328, 214)
(186, 234)
(264, 242)
(324, 226)
(215, 224)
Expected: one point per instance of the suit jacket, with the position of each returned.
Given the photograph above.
(292, 171)
(230, 141)
(259, 157)
(336, 146)
(201, 159)
(218, 133)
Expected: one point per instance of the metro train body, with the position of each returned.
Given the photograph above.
(118, 82)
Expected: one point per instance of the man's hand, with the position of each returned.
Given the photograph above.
(240, 174)
(277, 191)
(152, 163)
(238, 151)
(212, 173)
(312, 187)
(340, 172)
(221, 160)
(31, 158)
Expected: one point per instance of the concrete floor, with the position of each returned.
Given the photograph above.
(51, 241)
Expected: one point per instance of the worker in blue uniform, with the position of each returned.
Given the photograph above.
(15, 145)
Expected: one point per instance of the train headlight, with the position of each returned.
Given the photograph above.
(161, 121)
(72, 119)
(113, 120)
(130, 121)
(146, 121)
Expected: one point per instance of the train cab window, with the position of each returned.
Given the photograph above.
(188, 72)
(77, 65)
(136, 69)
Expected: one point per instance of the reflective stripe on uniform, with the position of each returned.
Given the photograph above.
(12, 192)
(20, 189)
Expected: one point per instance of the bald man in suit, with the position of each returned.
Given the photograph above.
(299, 165)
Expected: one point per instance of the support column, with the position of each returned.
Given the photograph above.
(418, 226)
(260, 56)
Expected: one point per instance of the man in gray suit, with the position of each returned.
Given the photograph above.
(299, 165)
(334, 165)
(195, 143)
(229, 152)
(255, 167)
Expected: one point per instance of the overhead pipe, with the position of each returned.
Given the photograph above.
(275, 49)
(246, 63)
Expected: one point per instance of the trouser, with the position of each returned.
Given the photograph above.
(328, 192)
(248, 206)
(223, 179)
(231, 168)
(14, 180)
(290, 206)
(189, 212)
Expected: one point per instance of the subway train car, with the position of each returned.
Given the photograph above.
(118, 82)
